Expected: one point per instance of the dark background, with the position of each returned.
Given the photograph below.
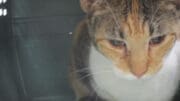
(34, 49)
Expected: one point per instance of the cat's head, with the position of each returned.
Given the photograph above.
(135, 34)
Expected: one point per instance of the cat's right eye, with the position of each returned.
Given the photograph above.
(117, 43)
(157, 40)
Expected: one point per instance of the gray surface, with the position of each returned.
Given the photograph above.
(37, 8)
(39, 50)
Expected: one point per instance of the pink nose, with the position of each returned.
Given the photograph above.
(139, 73)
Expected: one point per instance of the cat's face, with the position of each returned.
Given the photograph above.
(136, 35)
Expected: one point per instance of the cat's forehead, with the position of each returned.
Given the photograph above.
(137, 15)
(123, 7)
(145, 8)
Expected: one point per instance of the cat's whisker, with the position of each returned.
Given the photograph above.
(95, 73)
(81, 70)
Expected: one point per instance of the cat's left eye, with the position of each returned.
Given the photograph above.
(157, 40)
(117, 43)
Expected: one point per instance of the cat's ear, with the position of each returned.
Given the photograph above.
(90, 6)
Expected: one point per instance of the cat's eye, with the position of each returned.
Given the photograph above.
(157, 40)
(117, 43)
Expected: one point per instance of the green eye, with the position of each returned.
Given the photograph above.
(157, 40)
(117, 43)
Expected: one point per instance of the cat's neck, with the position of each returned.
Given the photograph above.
(159, 87)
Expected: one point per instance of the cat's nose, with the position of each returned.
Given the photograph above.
(139, 72)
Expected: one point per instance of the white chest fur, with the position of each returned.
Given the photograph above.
(160, 87)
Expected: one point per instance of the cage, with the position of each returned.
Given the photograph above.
(35, 38)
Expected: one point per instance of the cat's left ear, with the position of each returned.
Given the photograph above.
(91, 6)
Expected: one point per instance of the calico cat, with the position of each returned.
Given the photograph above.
(127, 50)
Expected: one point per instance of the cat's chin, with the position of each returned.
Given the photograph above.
(129, 76)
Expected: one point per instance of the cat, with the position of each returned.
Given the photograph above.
(127, 50)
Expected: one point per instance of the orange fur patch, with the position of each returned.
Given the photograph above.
(135, 8)
(138, 58)
(157, 53)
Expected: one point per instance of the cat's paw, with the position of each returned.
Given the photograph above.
(91, 98)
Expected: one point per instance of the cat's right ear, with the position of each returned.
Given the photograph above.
(90, 6)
